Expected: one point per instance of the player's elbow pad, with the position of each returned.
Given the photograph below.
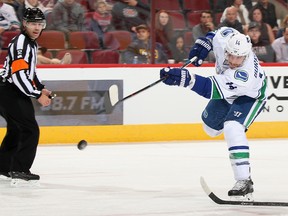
(210, 35)
(202, 86)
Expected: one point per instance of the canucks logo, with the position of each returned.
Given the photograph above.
(226, 32)
(241, 75)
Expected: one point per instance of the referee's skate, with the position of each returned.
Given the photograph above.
(19, 179)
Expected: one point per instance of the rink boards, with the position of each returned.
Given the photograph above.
(161, 113)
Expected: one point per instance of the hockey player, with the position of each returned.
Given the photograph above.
(237, 94)
(18, 85)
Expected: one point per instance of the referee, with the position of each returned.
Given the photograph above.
(19, 85)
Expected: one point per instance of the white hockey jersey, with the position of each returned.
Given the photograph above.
(8, 17)
(248, 79)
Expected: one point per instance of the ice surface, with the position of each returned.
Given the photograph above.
(148, 179)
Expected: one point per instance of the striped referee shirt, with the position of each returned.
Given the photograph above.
(20, 65)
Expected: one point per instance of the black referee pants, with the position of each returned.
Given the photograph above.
(18, 148)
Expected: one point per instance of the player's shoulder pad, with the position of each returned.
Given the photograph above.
(226, 31)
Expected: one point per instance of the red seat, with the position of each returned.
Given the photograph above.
(7, 36)
(3, 54)
(178, 20)
(124, 38)
(196, 5)
(111, 42)
(78, 56)
(193, 18)
(105, 57)
(84, 40)
(51, 39)
(167, 5)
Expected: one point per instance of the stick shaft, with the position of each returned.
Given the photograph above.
(143, 89)
(108, 105)
(158, 81)
(188, 62)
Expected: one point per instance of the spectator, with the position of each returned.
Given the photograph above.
(92, 3)
(8, 18)
(89, 5)
(68, 16)
(248, 4)
(262, 49)
(140, 48)
(280, 46)
(102, 17)
(48, 3)
(231, 20)
(206, 24)
(284, 24)
(101, 20)
(127, 14)
(256, 15)
(221, 5)
(179, 52)
(42, 59)
(37, 4)
(269, 13)
(164, 32)
(242, 12)
(18, 6)
(200, 30)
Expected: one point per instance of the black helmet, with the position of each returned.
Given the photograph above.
(33, 15)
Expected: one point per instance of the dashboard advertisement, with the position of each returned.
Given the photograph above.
(159, 113)
(277, 103)
(79, 103)
(80, 98)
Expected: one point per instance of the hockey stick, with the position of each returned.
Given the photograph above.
(111, 98)
(220, 201)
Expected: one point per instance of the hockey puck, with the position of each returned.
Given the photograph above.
(82, 144)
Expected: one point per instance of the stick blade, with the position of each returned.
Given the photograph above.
(114, 94)
(111, 98)
(204, 185)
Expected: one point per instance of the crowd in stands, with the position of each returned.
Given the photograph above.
(121, 31)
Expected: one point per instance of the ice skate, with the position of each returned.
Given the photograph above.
(242, 190)
(20, 179)
(5, 176)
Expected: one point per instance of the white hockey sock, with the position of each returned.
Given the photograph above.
(238, 147)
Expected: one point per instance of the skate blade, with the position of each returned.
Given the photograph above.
(248, 198)
(24, 183)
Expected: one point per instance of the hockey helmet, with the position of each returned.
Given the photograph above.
(239, 45)
(33, 15)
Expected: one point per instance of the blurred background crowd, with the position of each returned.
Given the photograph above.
(125, 31)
